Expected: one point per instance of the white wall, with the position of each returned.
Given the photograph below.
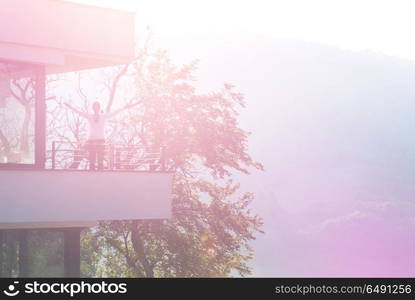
(29, 196)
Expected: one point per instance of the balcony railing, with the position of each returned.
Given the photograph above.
(73, 156)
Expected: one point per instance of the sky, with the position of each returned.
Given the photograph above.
(380, 26)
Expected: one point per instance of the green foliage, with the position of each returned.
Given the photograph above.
(91, 253)
(45, 255)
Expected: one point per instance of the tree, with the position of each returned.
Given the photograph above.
(203, 146)
(17, 101)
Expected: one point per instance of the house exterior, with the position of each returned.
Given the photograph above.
(41, 37)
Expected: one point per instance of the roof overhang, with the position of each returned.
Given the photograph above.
(65, 36)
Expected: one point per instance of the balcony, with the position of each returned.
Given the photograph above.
(66, 193)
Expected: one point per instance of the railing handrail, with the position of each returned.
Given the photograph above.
(133, 156)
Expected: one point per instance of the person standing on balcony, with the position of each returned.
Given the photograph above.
(96, 139)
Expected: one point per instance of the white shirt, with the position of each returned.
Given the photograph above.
(97, 127)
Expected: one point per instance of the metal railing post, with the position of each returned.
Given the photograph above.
(53, 154)
(162, 160)
(111, 156)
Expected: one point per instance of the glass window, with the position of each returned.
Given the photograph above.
(17, 112)
(43, 248)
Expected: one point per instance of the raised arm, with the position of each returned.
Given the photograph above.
(117, 111)
(81, 113)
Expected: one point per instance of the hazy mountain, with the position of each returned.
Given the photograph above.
(334, 129)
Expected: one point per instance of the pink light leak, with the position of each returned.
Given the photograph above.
(337, 203)
(334, 130)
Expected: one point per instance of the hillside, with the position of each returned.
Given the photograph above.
(334, 129)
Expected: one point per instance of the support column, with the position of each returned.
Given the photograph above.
(1, 253)
(40, 118)
(23, 253)
(72, 252)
